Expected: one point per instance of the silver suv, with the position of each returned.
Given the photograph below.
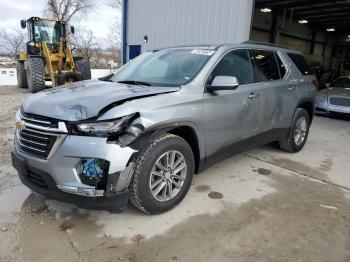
(141, 133)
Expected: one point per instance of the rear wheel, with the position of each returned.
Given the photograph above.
(21, 75)
(35, 74)
(83, 67)
(163, 174)
(299, 131)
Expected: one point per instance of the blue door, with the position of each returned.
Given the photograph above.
(134, 51)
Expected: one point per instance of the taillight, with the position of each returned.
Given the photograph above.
(316, 83)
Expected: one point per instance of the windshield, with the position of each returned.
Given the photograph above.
(343, 82)
(169, 67)
(48, 31)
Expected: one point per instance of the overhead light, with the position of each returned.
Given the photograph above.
(330, 29)
(259, 57)
(348, 36)
(303, 21)
(265, 10)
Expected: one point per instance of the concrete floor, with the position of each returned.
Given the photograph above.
(262, 205)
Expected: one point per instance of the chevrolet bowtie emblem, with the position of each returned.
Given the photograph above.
(19, 125)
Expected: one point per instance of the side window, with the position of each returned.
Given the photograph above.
(301, 64)
(266, 68)
(236, 63)
(281, 66)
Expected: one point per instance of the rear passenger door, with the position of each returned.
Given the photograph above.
(269, 74)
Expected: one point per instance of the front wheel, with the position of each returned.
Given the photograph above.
(163, 174)
(295, 140)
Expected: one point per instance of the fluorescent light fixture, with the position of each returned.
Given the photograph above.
(330, 29)
(265, 10)
(303, 21)
(260, 57)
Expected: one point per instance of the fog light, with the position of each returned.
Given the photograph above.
(93, 172)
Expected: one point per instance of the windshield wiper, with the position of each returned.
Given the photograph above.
(134, 82)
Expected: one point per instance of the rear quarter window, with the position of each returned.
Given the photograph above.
(266, 67)
(300, 63)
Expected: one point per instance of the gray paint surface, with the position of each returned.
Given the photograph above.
(219, 118)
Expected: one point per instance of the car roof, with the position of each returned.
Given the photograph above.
(246, 44)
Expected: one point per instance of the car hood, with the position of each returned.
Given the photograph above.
(337, 91)
(86, 99)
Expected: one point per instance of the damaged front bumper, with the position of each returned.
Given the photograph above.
(59, 176)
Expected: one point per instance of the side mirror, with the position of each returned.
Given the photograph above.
(327, 85)
(223, 83)
(72, 29)
(23, 24)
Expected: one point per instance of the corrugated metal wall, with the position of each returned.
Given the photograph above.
(182, 22)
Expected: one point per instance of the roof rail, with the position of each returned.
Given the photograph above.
(263, 43)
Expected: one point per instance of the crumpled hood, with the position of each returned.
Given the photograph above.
(86, 99)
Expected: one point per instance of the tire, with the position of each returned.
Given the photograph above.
(61, 79)
(21, 75)
(35, 74)
(83, 67)
(289, 143)
(140, 188)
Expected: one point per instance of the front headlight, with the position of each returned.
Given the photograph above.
(322, 96)
(104, 127)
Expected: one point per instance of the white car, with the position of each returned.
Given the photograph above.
(335, 98)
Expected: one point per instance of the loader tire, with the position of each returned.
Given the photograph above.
(35, 74)
(21, 75)
(83, 66)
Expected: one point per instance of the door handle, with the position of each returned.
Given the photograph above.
(291, 88)
(253, 95)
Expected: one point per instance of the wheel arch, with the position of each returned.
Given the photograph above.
(185, 130)
(309, 106)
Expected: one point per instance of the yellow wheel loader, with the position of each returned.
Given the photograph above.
(48, 56)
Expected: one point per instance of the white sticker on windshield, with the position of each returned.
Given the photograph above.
(202, 52)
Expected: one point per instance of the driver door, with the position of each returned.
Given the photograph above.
(231, 115)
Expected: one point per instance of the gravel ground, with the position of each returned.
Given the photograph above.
(262, 205)
(10, 101)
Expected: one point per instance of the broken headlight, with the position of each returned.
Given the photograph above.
(104, 127)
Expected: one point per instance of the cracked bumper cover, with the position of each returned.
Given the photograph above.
(59, 172)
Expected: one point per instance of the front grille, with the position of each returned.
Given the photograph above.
(35, 142)
(38, 135)
(36, 179)
(339, 101)
(39, 120)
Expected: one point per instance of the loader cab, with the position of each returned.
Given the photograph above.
(43, 30)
